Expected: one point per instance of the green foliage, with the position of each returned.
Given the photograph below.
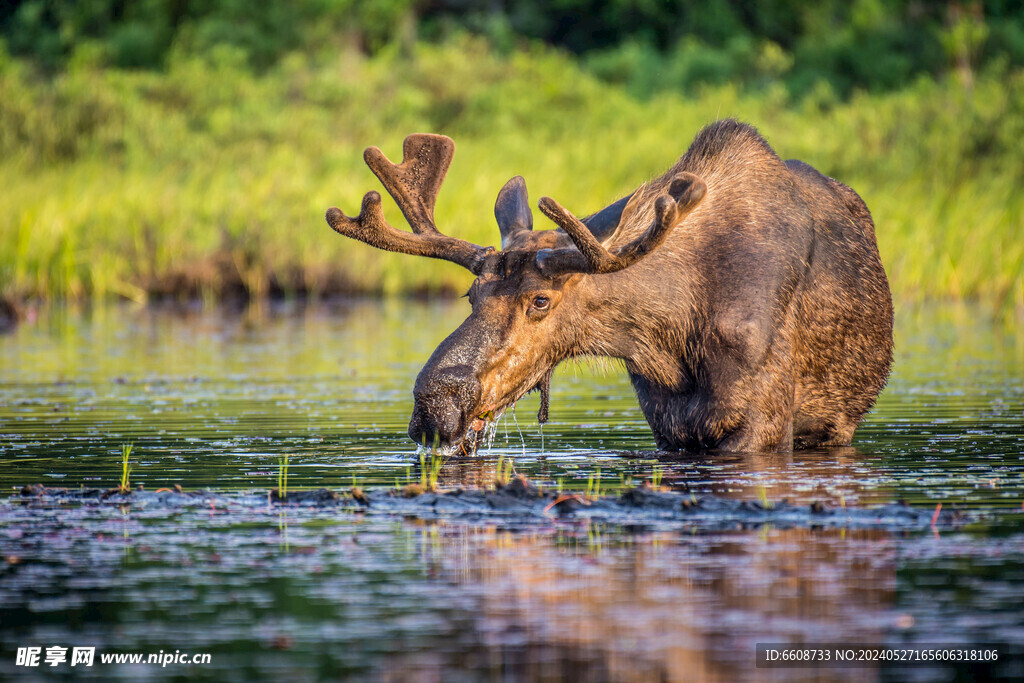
(126, 470)
(210, 178)
(594, 484)
(656, 477)
(863, 44)
(146, 33)
(282, 477)
(430, 472)
(860, 44)
(504, 471)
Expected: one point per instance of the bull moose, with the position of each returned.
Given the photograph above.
(744, 294)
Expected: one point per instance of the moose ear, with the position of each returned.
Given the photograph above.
(512, 210)
(688, 190)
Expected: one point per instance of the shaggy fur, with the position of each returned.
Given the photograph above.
(763, 321)
(775, 330)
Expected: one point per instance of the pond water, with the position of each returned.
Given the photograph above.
(217, 399)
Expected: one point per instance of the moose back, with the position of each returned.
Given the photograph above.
(745, 295)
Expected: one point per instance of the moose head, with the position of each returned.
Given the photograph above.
(537, 301)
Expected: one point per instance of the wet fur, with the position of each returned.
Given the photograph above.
(776, 330)
(764, 322)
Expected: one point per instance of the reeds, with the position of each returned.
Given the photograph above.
(282, 477)
(126, 469)
(206, 177)
(430, 470)
(504, 471)
(594, 485)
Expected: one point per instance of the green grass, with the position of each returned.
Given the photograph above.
(126, 469)
(430, 471)
(207, 179)
(594, 484)
(282, 477)
(504, 471)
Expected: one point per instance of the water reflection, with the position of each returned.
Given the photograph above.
(214, 400)
(426, 600)
(666, 606)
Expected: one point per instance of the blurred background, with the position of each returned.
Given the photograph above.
(183, 149)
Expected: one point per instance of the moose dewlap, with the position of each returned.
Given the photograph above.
(744, 294)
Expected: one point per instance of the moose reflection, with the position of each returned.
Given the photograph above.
(586, 602)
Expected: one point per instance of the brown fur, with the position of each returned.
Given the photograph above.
(763, 321)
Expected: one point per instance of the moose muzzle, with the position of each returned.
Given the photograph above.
(444, 398)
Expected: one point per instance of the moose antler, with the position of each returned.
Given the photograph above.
(414, 185)
(684, 194)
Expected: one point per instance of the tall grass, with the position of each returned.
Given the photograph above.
(207, 179)
(282, 476)
(126, 468)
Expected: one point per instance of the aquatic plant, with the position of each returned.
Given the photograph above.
(504, 471)
(594, 484)
(656, 476)
(430, 471)
(126, 451)
(282, 477)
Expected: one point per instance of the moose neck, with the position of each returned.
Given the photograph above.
(634, 315)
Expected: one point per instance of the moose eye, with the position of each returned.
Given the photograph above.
(541, 302)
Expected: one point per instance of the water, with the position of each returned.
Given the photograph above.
(216, 399)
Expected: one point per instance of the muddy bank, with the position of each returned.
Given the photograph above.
(521, 501)
(221, 278)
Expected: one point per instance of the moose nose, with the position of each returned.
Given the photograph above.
(443, 399)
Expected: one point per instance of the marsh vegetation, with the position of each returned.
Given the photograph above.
(205, 172)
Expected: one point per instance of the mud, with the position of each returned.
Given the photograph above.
(521, 502)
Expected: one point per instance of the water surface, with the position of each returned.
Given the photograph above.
(214, 399)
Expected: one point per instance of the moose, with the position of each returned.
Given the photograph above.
(745, 296)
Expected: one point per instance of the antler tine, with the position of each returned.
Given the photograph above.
(371, 228)
(684, 193)
(415, 182)
(598, 258)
